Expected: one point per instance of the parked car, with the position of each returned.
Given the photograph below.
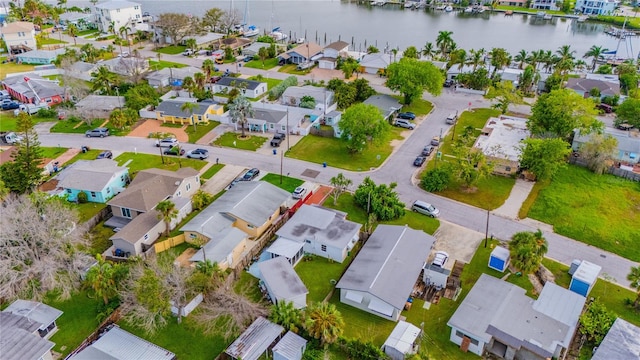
(198, 154)
(188, 52)
(299, 192)
(407, 115)
(427, 150)
(105, 155)
(167, 142)
(403, 123)
(278, 139)
(606, 108)
(214, 79)
(251, 174)
(247, 58)
(124, 54)
(449, 83)
(440, 259)
(625, 126)
(97, 132)
(419, 161)
(10, 105)
(176, 151)
(435, 141)
(425, 209)
(219, 61)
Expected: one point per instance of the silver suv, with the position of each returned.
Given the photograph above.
(97, 132)
(425, 208)
(168, 142)
(404, 123)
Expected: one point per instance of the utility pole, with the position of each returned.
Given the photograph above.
(486, 231)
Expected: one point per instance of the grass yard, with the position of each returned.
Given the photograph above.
(172, 50)
(599, 210)
(159, 65)
(257, 64)
(71, 127)
(199, 131)
(76, 323)
(50, 41)
(88, 32)
(89, 155)
(52, 152)
(146, 161)
(317, 272)
(232, 140)
(12, 67)
(88, 210)
(288, 183)
(247, 286)
(271, 83)
(212, 171)
(293, 70)
(9, 121)
(334, 152)
(100, 235)
(419, 106)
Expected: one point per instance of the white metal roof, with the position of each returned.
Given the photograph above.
(500, 253)
(587, 272)
(402, 337)
(118, 344)
(281, 279)
(254, 341)
(35, 311)
(285, 247)
(291, 346)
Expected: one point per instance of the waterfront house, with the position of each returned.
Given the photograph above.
(252, 50)
(596, 7)
(171, 111)
(403, 341)
(117, 344)
(628, 150)
(81, 20)
(99, 179)
(387, 104)
(544, 5)
(18, 36)
(293, 95)
(499, 318)
(42, 316)
(456, 70)
(511, 75)
(249, 88)
(331, 53)
(316, 230)
(382, 276)
(301, 54)
(170, 76)
(282, 283)
(584, 86)
(622, 342)
(290, 347)
(39, 57)
(99, 106)
(256, 340)
(501, 140)
(375, 63)
(33, 89)
(120, 13)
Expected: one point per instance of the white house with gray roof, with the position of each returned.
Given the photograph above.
(130, 66)
(498, 317)
(403, 341)
(282, 282)
(290, 347)
(315, 230)
(99, 106)
(259, 337)
(118, 344)
(169, 76)
(38, 313)
(628, 149)
(374, 63)
(252, 50)
(249, 88)
(387, 104)
(622, 342)
(324, 98)
(20, 339)
(381, 278)
(501, 142)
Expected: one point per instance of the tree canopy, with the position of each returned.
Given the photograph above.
(412, 77)
(629, 112)
(141, 96)
(544, 157)
(23, 173)
(381, 200)
(360, 124)
(599, 152)
(176, 26)
(561, 111)
(527, 250)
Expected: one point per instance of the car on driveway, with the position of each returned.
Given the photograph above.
(167, 142)
(404, 123)
(97, 132)
(10, 105)
(449, 83)
(198, 154)
(105, 155)
(427, 150)
(440, 260)
(407, 115)
(176, 151)
(299, 192)
(419, 161)
(425, 208)
(251, 174)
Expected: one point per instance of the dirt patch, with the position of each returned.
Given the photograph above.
(152, 126)
(183, 259)
(49, 185)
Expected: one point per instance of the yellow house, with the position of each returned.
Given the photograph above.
(176, 112)
(227, 227)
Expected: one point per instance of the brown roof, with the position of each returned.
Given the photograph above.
(338, 45)
(17, 26)
(151, 186)
(606, 88)
(140, 225)
(302, 49)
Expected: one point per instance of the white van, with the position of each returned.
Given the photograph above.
(451, 119)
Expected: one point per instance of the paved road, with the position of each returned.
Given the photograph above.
(398, 168)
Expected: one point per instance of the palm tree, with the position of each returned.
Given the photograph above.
(595, 52)
(240, 110)
(188, 84)
(527, 250)
(208, 66)
(564, 52)
(535, 58)
(199, 80)
(104, 277)
(263, 54)
(445, 42)
(124, 30)
(521, 58)
(323, 321)
(580, 64)
(190, 107)
(429, 51)
(285, 314)
(103, 80)
(476, 58)
(458, 57)
(191, 44)
(166, 212)
(72, 30)
(634, 277)
(499, 59)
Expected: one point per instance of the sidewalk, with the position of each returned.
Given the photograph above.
(518, 195)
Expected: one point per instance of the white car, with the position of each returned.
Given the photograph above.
(299, 192)
(440, 259)
(168, 142)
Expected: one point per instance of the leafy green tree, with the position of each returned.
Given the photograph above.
(381, 200)
(605, 69)
(104, 278)
(323, 321)
(285, 313)
(208, 66)
(263, 54)
(348, 67)
(240, 110)
(212, 19)
(634, 277)
(503, 94)
(201, 199)
(363, 89)
(140, 96)
(411, 52)
(167, 212)
(553, 82)
(363, 350)
(118, 119)
(599, 152)
(544, 157)
(188, 84)
(470, 164)
(560, 112)
(150, 294)
(4, 190)
(23, 173)
(499, 59)
(372, 50)
(521, 58)
(340, 184)
(477, 80)
(308, 102)
(73, 31)
(629, 112)
(429, 51)
(412, 77)
(528, 80)
(362, 123)
(527, 250)
(437, 179)
(176, 26)
(596, 321)
(192, 44)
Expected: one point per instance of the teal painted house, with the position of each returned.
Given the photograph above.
(100, 179)
(39, 57)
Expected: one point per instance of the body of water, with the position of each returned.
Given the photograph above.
(395, 27)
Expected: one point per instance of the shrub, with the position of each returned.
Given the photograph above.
(437, 179)
(47, 113)
(82, 197)
(278, 90)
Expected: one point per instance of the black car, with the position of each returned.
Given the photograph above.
(174, 151)
(419, 161)
(105, 155)
(407, 115)
(251, 174)
(427, 150)
(448, 83)
(10, 106)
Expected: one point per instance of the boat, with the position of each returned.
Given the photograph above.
(582, 18)
(449, 8)
(508, 13)
(300, 40)
(440, 7)
(251, 30)
(547, 17)
(277, 35)
(479, 9)
(468, 10)
(408, 4)
(541, 14)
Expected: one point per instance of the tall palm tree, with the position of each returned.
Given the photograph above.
(580, 64)
(458, 57)
(188, 84)
(285, 314)
(104, 277)
(535, 58)
(72, 30)
(445, 42)
(527, 250)
(564, 52)
(124, 30)
(476, 58)
(499, 59)
(595, 52)
(167, 212)
(208, 66)
(521, 58)
(634, 277)
(323, 321)
(191, 44)
(200, 80)
(190, 108)
(240, 110)
(429, 51)
(103, 80)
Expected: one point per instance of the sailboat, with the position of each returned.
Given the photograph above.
(251, 30)
(276, 34)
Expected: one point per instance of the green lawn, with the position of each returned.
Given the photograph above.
(257, 64)
(71, 127)
(600, 210)
(212, 171)
(88, 210)
(50, 41)
(100, 235)
(146, 161)
(8, 122)
(232, 140)
(88, 32)
(89, 155)
(334, 152)
(247, 285)
(288, 183)
(418, 106)
(317, 274)
(199, 131)
(172, 50)
(52, 152)
(271, 83)
(77, 322)
(12, 67)
(293, 70)
(159, 65)
(530, 11)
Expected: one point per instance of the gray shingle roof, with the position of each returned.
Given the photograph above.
(35, 311)
(136, 228)
(622, 342)
(389, 263)
(291, 346)
(221, 245)
(337, 45)
(377, 60)
(118, 344)
(8, 319)
(43, 87)
(605, 87)
(90, 175)
(321, 95)
(41, 54)
(237, 82)
(385, 103)
(323, 225)
(268, 115)
(281, 279)
(101, 102)
(173, 108)
(254, 341)
(19, 344)
(175, 73)
(626, 141)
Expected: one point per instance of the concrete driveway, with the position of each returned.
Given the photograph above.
(459, 242)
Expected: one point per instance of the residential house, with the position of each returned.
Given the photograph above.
(249, 88)
(441, 65)
(333, 119)
(205, 40)
(252, 50)
(596, 7)
(130, 66)
(172, 111)
(39, 57)
(387, 104)
(456, 70)
(99, 179)
(171, 76)
(82, 70)
(81, 20)
(316, 230)
(34, 89)
(119, 12)
(376, 63)
(118, 344)
(520, 3)
(382, 276)
(244, 212)
(133, 209)
(610, 78)
(282, 283)
(20, 340)
(19, 36)
(628, 150)
(278, 118)
(301, 54)
(38, 313)
(501, 142)
(511, 75)
(268, 120)
(544, 5)
(256, 340)
(290, 347)
(584, 86)
(331, 53)
(403, 341)
(324, 98)
(622, 342)
(99, 106)
(499, 318)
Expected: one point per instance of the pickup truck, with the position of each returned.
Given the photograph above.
(9, 137)
(278, 139)
(29, 108)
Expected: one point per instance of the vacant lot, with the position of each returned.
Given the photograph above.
(145, 161)
(284, 182)
(172, 50)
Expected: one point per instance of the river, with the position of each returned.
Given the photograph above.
(326, 21)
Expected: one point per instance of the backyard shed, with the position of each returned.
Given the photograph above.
(499, 259)
(290, 347)
(282, 282)
(259, 337)
(584, 278)
(402, 341)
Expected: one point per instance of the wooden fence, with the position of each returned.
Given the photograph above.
(169, 243)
